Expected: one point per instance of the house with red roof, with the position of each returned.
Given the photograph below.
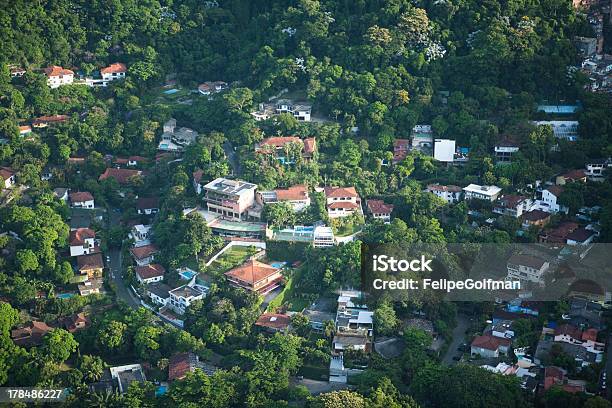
(342, 201)
(380, 210)
(297, 196)
(150, 273)
(91, 265)
(512, 205)
(123, 176)
(274, 322)
(31, 334)
(558, 234)
(578, 175)
(450, 193)
(8, 177)
(114, 71)
(580, 236)
(182, 364)
(81, 199)
(58, 76)
(489, 346)
(44, 121)
(536, 218)
(550, 200)
(557, 376)
(279, 146)
(401, 147)
(255, 276)
(76, 322)
(144, 255)
(82, 241)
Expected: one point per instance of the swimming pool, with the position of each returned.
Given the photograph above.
(187, 274)
(161, 390)
(163, 146)
(171, 91)
(278, 265)
(65, 295)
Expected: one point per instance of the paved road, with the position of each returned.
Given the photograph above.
(231, 157)
(114, 263)
(463, 322)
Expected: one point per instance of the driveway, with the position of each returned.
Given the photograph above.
(114, 262)
(463, 323)
(231, 157)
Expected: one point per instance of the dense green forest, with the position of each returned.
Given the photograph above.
(373, 68)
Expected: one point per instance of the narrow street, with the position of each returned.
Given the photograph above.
(114, 262)
(228, 148)
(463, 323)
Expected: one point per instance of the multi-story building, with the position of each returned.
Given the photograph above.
(512, 205)
(82, 241)
(342, 201)
(562, 129)
(58, 76)
(505, 149)
(527, 268)
(7, 177)
(300, 111)
(487, 193)
(255, 276)
(379, 210)
(296, 195)
(550, 200)
(280, 146)
(230, 198)
(451, 194)
(595, 168)
(182, 297)
(113, 72)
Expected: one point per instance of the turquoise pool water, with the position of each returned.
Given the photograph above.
(188, 274)
(161, 390)
(278, 264)
(65, 295)
(171, 91)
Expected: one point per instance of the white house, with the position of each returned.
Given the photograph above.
(58, 76)
(489, 346)
(475, 191)
(159, 293)
(144, 255)
(342, 201)
(209, 88)
(230, 198)
(505, 149)
(82, 241)
(81, 199)
(380, 210)
(323, 237)
(512, 205)
(141, 233)
(300, 111)
(7, 176)
(147, 205)
(451, 194)
(296, 195)
(182, 297)
(444, 150)
(113, 71)
(127, 374)
(527, 268)
(595, 168)
(150, 273)
(550, 200)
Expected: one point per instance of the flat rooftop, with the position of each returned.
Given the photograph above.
(227, 186)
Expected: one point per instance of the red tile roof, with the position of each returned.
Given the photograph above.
(310, 145)
(197, 175)
(144, 251)
(274, 321)
(280, 141)
(569, 330)
(252, 271)
(511, 200)
(114, 68)
(379, 207)
(73, 322)
(6, 173)
(180, 365)
(50, 119)
(555, 190)
(79, 235)
(150, 271)
(80, 197)
(580, 234)
(490, 342)
(573, 175)
(342, 204)
(121, 175)
(31, 334)
(536, 215)
(55, 70)
(339, 192)
(89, 262)
(294, 193)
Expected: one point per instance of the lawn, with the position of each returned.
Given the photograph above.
(289, 296)
(231, 258)
(348, 229)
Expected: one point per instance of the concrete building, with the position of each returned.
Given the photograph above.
(230, 198)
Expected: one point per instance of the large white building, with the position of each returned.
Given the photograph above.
(58, 76)
(451, 194)
(444, 150)
(527, 268)
(182, 297)
(489, 193)
(230, 198)
(342, 201)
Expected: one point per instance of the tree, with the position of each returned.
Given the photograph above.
(146, 342)
(63, 272)
(59, 344)
(8, 318)
(27, 260)
(92, 367)
(112, 335)
(337, 399)
(385, 320)
(300, 323)
(279, 215)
